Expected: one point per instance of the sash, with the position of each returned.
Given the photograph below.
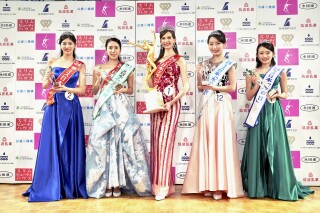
(261, 97)
(215, 77)
(108, 90)
(110, 74)
(162, 67)
(62, 79)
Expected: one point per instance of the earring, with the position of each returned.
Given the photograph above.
(175, 46)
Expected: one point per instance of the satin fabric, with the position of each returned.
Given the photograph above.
(60, 166)
(267, 169)
(214, 162)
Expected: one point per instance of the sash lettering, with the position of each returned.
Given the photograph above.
(261, 97)
(62, 79)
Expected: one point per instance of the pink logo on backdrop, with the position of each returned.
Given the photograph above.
(205, 24)
(145, 8)
(290, 107)
(231, 40)
(140, 107)
(165, 20)
(295, 155)
(288, 56)
(287, 7)
(45, 41)
(100, 56)
(267, 37)
(105, 8)
(40, 94)
(36, 140)
(23, 174)
(141, 57)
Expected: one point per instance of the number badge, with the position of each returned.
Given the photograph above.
(69, 96)
(168, 91)
(220, 97)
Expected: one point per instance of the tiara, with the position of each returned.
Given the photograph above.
(215, 32)
(67, 33)
(266, 41)
(112, 36)
(165, 26)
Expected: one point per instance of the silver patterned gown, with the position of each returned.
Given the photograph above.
(116, 153)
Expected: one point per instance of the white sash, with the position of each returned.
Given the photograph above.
(261, 96)
(214, 78)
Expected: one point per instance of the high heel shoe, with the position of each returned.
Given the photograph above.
(108, 193)
(217, 195)
(116, 194)
(159, 197)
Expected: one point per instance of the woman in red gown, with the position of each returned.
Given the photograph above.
(170, 66)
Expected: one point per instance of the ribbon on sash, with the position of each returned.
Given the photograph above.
(261, 97)
(162, 67)
(62, 79)
(214, 78)
(108, 90)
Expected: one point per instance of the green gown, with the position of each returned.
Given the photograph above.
(267, 169)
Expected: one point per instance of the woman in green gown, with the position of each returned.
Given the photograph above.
(267, 169)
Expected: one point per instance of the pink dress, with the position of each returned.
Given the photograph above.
(214, 163)
(163, 132)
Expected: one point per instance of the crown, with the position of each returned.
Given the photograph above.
(266, 41)
(165, 26)
(215, 32)
(67, 33)
(112, 36)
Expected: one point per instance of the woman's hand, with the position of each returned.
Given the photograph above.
(167, 106)
(275, 95)
(207, 87)
(60, 88)
(98, 78)
(49, 75)
(255, 78)
(122, 90)
(199, 70)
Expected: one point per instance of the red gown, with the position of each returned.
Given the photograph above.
(163, 131)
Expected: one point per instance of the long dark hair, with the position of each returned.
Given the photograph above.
(219, 35)
(70, 36)
(115, 40)
(161, 54)
(269, 46)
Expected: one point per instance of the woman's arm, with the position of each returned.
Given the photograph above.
(283, 86)
(184, 77)
(251, 91)
(96, 80)
(49, 74)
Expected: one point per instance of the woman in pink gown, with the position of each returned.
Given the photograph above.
(170, 66)
(214, 166)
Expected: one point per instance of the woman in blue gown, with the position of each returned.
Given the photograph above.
(60, 166)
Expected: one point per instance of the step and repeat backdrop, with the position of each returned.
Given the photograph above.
(29, 37)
